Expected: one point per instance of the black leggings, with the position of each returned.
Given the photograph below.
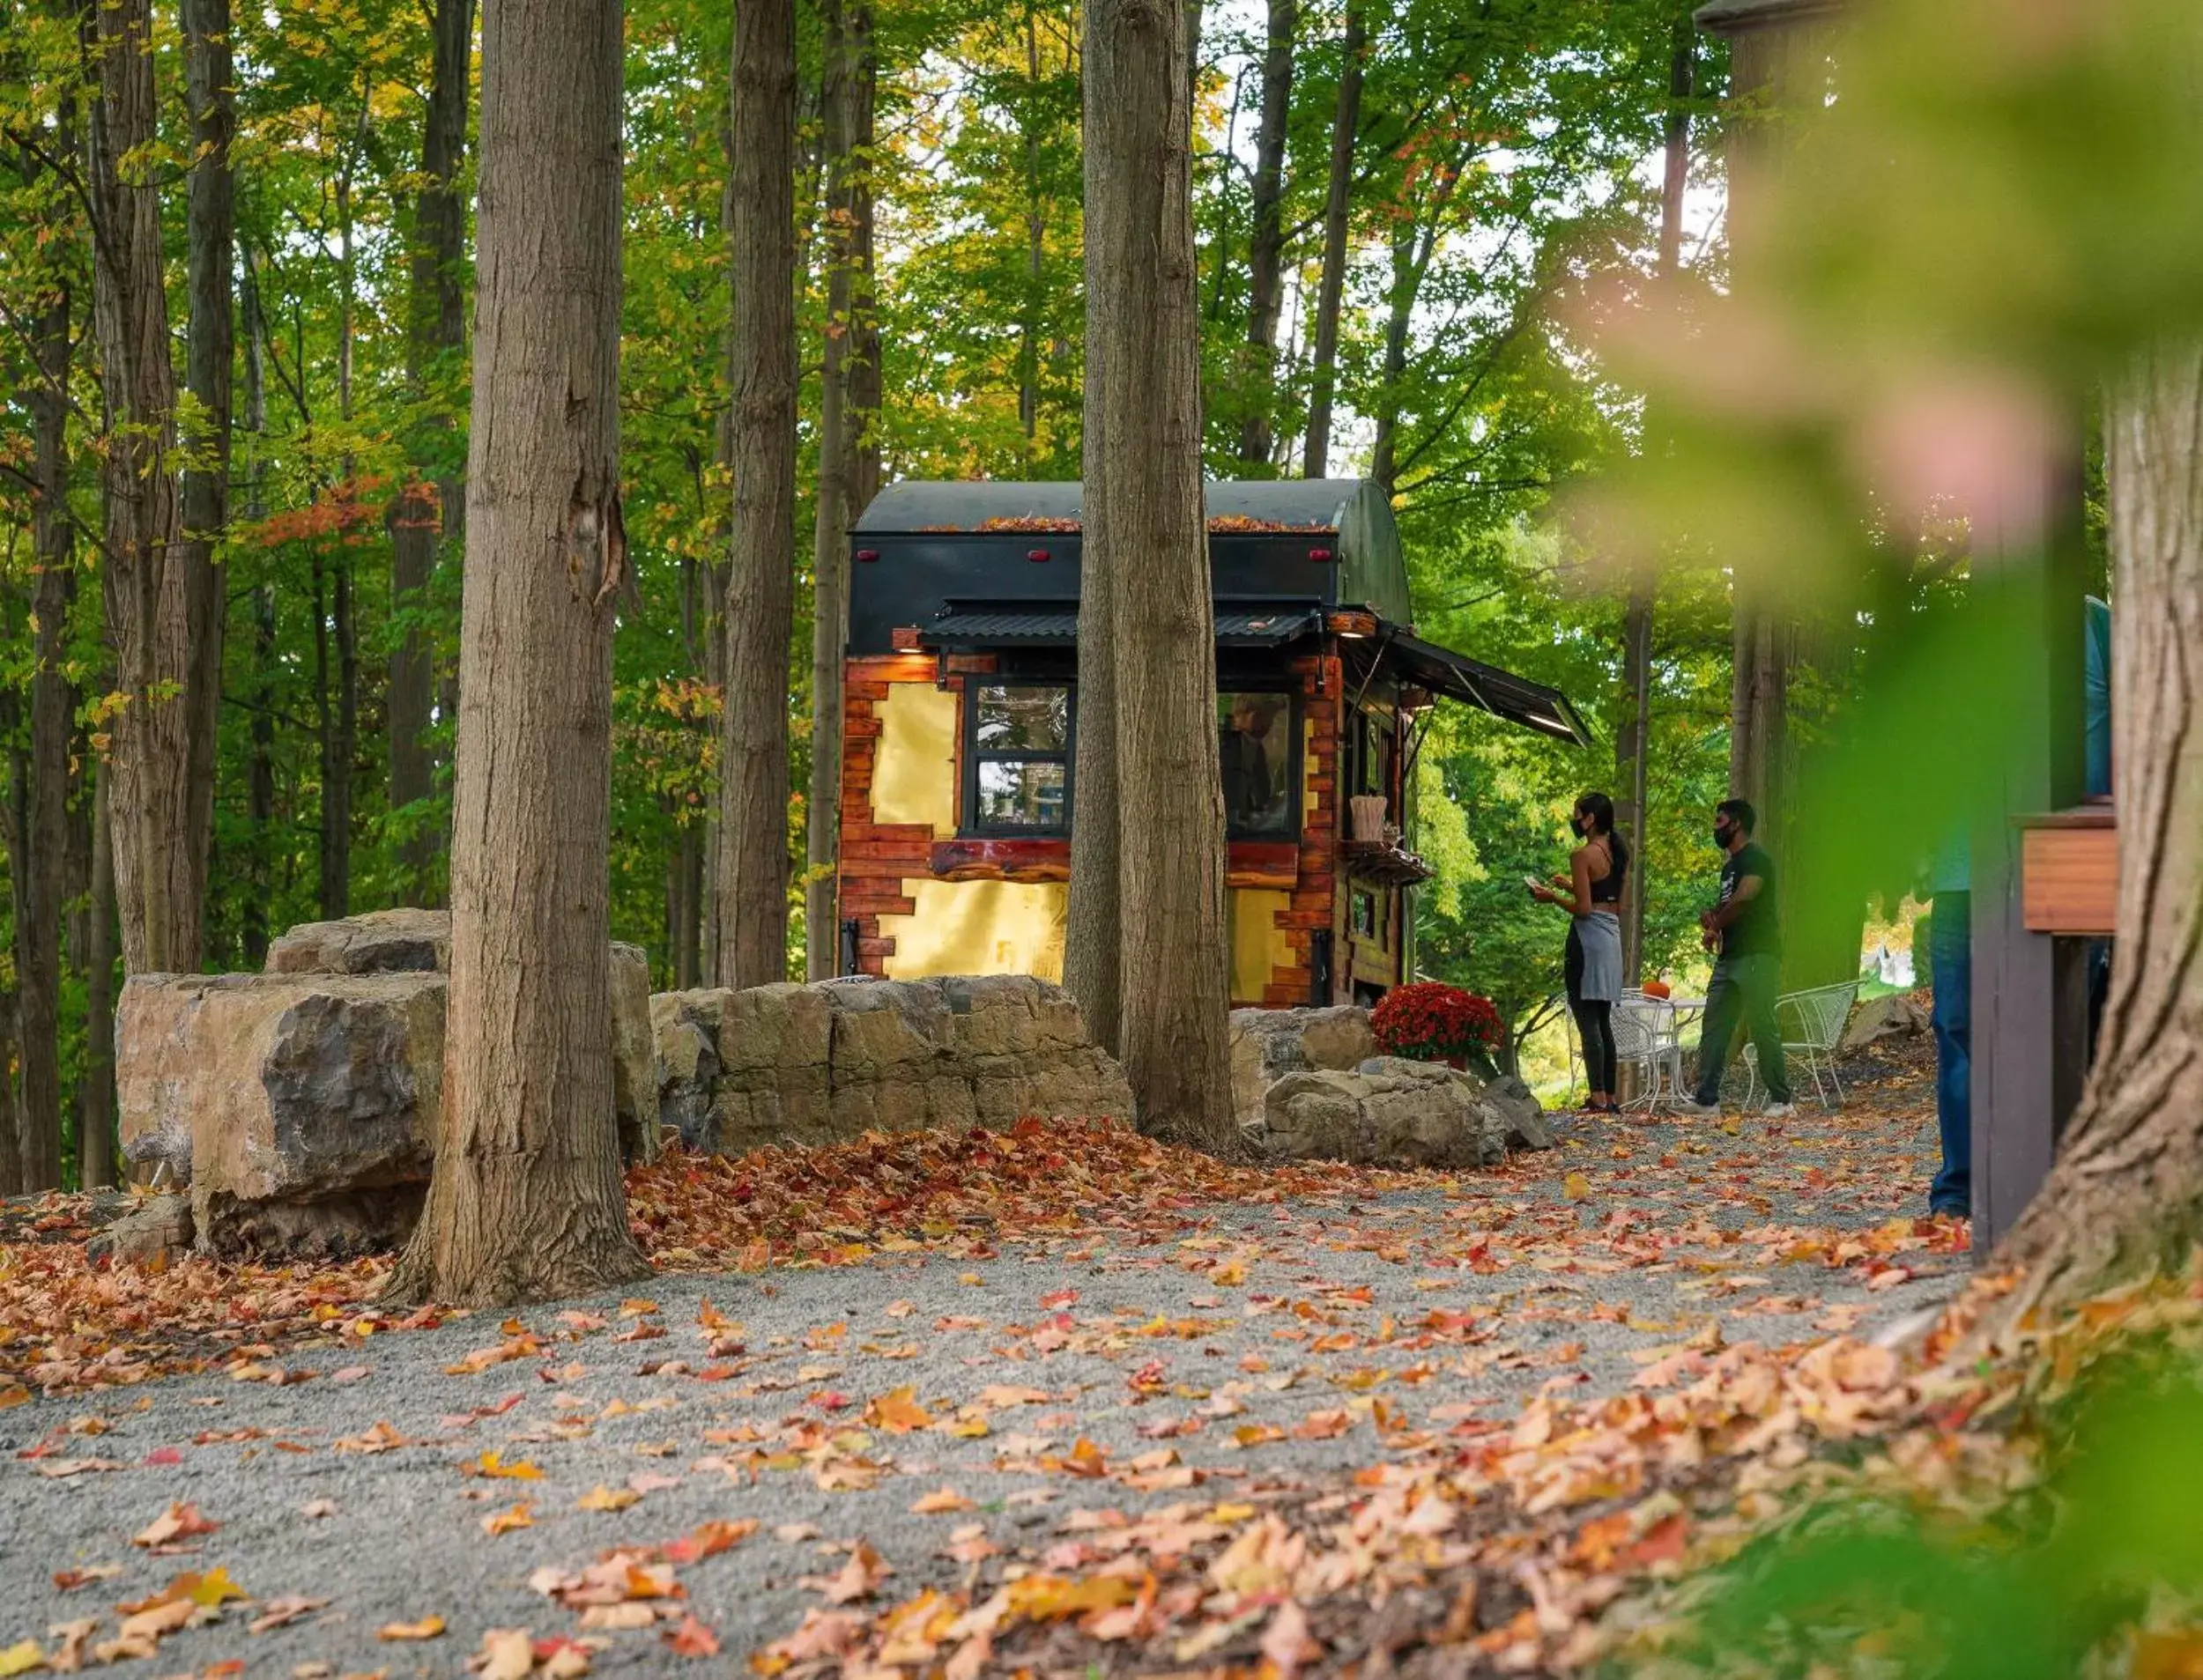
(1594, 1023)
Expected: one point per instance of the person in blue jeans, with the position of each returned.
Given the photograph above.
(1951, 946)
(1742, 928)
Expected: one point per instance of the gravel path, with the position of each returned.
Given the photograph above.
(1214, 1357)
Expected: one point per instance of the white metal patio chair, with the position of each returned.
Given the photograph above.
(1644, 1039)
(1811, 1024)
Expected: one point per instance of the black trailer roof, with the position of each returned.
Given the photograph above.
(1297, 504)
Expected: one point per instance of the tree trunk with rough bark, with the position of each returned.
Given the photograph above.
(260, 756)
(526, 1201)
(1633, 738)
(752, 887)
(1331, 287)
(1145, 532)
(43, 832)
(2126, 1192)
(847, 101)
(160, 871)
(1266, 257)
(424, 514)
(209, 237)
(95, 1114)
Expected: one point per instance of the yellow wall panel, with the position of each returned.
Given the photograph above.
(980, 928)
(914, 768)
(1258, 944)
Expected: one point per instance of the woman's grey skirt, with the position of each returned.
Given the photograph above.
(1599, 935)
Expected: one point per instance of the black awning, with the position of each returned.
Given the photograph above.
(1011, 623)
(1458, 677)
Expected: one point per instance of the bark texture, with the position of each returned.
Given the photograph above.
(1146, 533)
(752, 887)
(847, 101)
(1266, 249)
(526, 1201)
(2127, 1190)
(161, 871)
(39, 834)
(95, 1118)
(209, 239)
(426, 512)
(1331, 287)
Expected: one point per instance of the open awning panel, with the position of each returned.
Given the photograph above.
(1425, 664)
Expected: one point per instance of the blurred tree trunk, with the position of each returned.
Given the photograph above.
(2126, 1192)
(425, 511)
(160, 869)
(1337, 201)
(752, 880)
(260, 755)
(846, 102)
(1633, 738)
(340, 737)
(1265, 262)
(526, 1201)
(210, 239)
(1029, 313)
(1145, 532)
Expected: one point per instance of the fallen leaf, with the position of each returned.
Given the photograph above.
(521, 1515)
(179, 1521)
(507, 1654)
(690, 1638)
(281, 1612)
(318, 1508)
(22, 1657)
(492, 1464)
(429, 1628)
(601, 1498)
(941, 1499)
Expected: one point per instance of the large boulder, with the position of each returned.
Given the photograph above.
(1390, 1113)
(1894, 1017)
(824, 1062)
(1506, 1095)
(300, 1108)
(411, 941)
(1268, 1044)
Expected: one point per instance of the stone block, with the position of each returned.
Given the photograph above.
(1895, 1016)
(1268, 1044)
(301, 1108)
(382, 942)
(1388, 1113)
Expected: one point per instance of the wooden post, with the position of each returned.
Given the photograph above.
(2029, 1043)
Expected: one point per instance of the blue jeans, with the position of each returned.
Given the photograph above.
(1951, 973)
(1742, 990)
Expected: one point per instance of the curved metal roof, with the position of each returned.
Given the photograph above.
(1316, 504)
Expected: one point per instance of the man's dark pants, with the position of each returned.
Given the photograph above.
(1743, 988)
(1951, 973)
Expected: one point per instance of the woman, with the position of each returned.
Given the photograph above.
(1590, 892)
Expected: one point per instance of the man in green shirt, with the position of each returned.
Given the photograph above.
(1743, 932)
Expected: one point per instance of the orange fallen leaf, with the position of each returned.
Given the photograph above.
(601, 1498)
(521, 1515)
(429, 1628)
(492, 1464)
(179, 1521)
(942, 1500)
(690, 1638)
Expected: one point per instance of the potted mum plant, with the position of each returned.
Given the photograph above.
(1431, 1021)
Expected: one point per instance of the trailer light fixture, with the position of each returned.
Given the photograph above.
(868, 554)
(1321, 554)
(1035, 553)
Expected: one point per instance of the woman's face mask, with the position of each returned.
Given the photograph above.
(1578, 827)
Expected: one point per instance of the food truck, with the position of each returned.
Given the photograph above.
(960, 718)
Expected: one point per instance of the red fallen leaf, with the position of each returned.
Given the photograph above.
(1663, 1543)
(165, 1455)
(1056, 1298)
(707, 1540)
(349, 1373)
(690, 1638)
(179, 1521)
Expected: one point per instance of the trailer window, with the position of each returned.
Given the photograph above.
(1019, 758)
(1255, 747)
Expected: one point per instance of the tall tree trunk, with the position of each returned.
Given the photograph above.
(1337, 200)
(329, 833)
(2127, 1189)
(260, 764)
(40, 852)
(1145, 533)
(1266, 256)
(863, 369)
(341, 739)
(424, 512)
(1031, 305)
(1406, 276)
(525, 1203)
(753, 883)
(209, 222)
(1633, 738)
(95, 1114)
(160, 866)
(848, 54)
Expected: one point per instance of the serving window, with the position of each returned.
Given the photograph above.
(1259, 748)
(1017, 758)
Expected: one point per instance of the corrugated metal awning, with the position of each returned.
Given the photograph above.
(1008, 624)
(1425, 664)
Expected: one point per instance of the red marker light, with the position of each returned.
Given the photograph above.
(1319, 554)
(1035, 553)
(867, 553)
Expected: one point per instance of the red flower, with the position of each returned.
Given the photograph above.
(1431, 1021)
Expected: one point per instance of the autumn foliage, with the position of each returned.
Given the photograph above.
(1431, 1021)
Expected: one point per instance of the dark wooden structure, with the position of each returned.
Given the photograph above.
(960, 717)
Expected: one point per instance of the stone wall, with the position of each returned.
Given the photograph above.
(821, 1064)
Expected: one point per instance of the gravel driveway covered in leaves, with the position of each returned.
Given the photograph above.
(927, 1403)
